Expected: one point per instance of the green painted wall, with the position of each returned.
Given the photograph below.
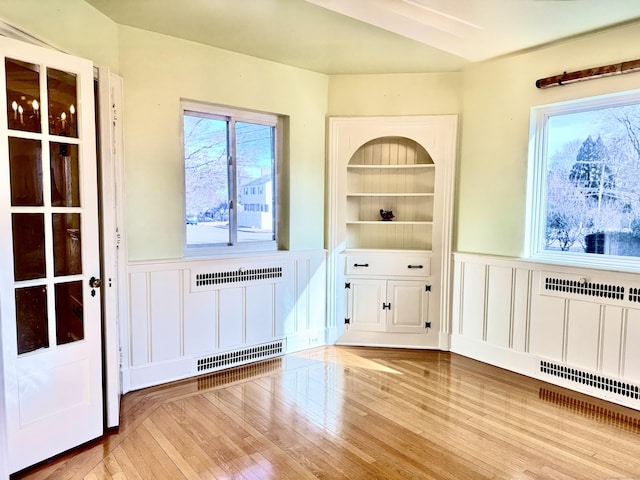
(158, 71)
(72, 26)
(493, 100)
(497, 97)
(402, 94)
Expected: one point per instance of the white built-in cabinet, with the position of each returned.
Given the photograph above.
(390, 277)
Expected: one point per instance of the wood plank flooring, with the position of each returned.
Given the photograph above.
(360, 413)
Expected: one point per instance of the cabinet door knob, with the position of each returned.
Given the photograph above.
(415, 266)
(360, 264)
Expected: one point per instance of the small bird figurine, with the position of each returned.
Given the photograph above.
(386, 215)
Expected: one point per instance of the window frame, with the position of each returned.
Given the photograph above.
(234, 114)
(537, 183)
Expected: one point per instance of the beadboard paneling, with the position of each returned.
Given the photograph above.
(575, 327)
(176, 319)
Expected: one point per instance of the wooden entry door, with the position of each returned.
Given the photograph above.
(50, 313)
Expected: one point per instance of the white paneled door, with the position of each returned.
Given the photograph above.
(50, 310)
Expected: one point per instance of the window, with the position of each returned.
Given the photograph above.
(227, 153)
(584, 182)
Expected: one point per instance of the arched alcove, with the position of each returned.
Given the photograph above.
(390, 174)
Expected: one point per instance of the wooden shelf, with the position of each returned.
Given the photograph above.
(382, 167)
(399, 194)
(381, 222)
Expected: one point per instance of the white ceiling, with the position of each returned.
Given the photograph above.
(372, 36)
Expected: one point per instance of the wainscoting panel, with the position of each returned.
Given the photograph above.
(499, 311)
(575, 327)
(521, 302)
(194, 316)
(474, 302)
(631, 341)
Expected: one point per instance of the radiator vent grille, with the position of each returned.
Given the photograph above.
(634, 295)
(578, 287)
(237, 276)
(239, 357)
(600, 382)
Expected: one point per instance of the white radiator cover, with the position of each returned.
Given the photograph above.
(574, 327)
(229, 311)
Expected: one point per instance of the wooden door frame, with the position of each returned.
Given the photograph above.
(113, 246)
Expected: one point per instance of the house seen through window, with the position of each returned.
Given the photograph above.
(585, 181)
(227, 154)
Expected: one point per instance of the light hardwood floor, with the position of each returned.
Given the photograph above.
(361, 413)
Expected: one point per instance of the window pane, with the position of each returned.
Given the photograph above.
(25, 162)
(28, 246)
(593, 182)
(69, 318)
(206, 180)
(63, 100)
(66, 244)
(31, 318)
(23, 95)
(65, 183)
(255, 175)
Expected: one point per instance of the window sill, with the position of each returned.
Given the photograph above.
(588, 260)
(230, 251)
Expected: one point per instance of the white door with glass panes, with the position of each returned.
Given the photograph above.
(50, 312)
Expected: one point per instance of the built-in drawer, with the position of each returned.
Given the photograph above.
(383, 265)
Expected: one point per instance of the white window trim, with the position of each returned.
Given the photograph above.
(271, 119)
(536, 184)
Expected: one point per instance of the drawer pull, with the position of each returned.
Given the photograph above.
(415, 266)
(360, 264)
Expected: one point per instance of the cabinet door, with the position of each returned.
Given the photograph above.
(409, 306)
(364, 305)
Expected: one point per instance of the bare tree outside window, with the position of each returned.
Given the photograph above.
(229, 168)
(591, 189)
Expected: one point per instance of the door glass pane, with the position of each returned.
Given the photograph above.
(66, 244)
(23, 95)
(65, 189)
(31, 318)
(28, 246)
(255, 161)
(206, 180)
(63, 100)
(69, 323)
(25, 164)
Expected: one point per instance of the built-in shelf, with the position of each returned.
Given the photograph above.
(383, 167)
(376, 222)
(402, 164)
(389, 194)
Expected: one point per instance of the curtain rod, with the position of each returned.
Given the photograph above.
(589, 73)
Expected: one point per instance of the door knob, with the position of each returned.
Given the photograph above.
(95, 282)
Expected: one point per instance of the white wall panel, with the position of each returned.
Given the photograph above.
(575, 327)
(302, 293)
(632, 346)
(499, 306)
(317, 283)
(611, 340)
(231, 314)
(520, 335)
(583, 334)
(139, 319)
(260, 313)
(200, 320)
(473, 301)
(546, 338)
(166, 315)
(184, 312)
